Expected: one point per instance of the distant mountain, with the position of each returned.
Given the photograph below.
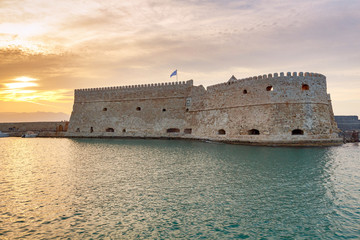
(33, 117)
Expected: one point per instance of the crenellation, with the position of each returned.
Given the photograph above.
(288, 74)
(282, 74)
(276, 75)
(294, 74)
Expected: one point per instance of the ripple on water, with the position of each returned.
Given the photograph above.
(152, 189)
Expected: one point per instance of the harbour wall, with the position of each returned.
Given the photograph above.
(44, 129)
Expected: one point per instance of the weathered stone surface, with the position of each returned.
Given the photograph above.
(276, 107)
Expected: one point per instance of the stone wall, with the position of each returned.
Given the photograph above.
(269, 109)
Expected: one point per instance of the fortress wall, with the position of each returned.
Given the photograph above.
(141, 112)
(270, 109)
(274, 113)
(284, 89)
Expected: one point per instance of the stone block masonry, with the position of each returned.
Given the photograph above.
(273, 109)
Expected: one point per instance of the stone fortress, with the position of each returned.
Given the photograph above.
(274, 109)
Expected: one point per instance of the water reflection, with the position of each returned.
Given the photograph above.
(96, 188)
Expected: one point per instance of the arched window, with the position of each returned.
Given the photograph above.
(77, 130)
(164, 110)
(104, 109)
(221, 132)
(269, 88)
(124, 130)
(187, 110)
(109, 130)
(138, 109)
(297, 132)
(91, 129)
(254, 132)
(60, 128)
(245, 91)
(305, 87)
(172, 130)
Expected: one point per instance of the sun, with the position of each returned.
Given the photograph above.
(22, 82)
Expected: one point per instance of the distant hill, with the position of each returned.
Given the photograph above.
(33, 116)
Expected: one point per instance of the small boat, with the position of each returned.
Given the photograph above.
(29, 134)
(3, 134)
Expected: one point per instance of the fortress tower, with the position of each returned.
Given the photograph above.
(274, 109)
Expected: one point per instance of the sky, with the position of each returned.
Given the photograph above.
(49, 48)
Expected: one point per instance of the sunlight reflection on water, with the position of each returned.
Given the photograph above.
(96, 188)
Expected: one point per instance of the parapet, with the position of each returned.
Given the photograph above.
(137, 87)
(269, 76)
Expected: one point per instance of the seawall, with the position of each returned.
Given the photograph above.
(44, 129)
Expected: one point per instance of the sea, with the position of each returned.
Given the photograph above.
(173, 189)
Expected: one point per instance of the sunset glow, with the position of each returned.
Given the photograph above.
(49, 49)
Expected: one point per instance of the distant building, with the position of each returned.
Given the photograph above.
(348, 123)
(350, 127)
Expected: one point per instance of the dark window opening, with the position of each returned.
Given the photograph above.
(173, 130)
(164, 110)
(269, 88)
(138, 109)
(221, 132)
(305, 87)
(60, 129)
(254, 132)
(245, 91)
(124, 130)
(109, 130)
(77, 130)
(188, 130)
(91, 129)
(297, 132)
(104, 109)
(187, 110)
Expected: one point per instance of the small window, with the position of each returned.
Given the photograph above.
(138, 109)
(109, 130)
(269, 88)
(305, 87)
(187, 110)
(187, 130)
(245, 91)
(124, 130)
(297, 132)
(254, 132)
(221, 132)
(91, 129)
(104, 109)
(173, 130)
(164, 110)
(77, 130)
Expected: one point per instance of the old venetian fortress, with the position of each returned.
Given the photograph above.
(273, 109)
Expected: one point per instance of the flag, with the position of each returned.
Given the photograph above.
(174, 73)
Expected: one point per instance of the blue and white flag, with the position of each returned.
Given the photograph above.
(174, 73)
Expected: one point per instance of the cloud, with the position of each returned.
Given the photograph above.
(91, 44)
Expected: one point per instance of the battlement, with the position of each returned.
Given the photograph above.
(136, 87)
(269, 76)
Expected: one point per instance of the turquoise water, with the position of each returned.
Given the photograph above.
(158, 189)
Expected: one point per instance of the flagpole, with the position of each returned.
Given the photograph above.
(176, 75)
